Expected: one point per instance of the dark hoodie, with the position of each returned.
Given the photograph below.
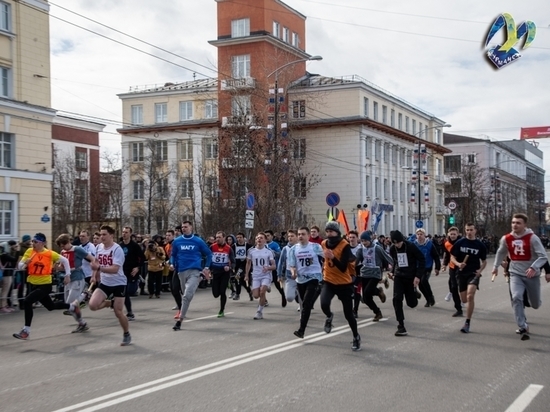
(409, 259)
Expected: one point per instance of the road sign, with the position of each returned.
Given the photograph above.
(249, 214)
(250, 200)
(249, 224)
(334, 212)
(45, 218)
(333, 199)
(452, 205)
(419, 224)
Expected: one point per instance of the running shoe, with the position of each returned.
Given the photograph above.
(298, 333)
(67, 313)
(236, 297)
(177, 315)
(175, 308)
(23, 335)
(82, 304)
(269, 289)
(177, 326)
(5, 309)
(448, 297)
(266, 304)
(328, 323)
(458, 314)
(126, 339)
(386, 282)
(131, 316)
(283, 301)
(382, 295)
(81, 328)
(401, 331)
(377, 317)
(465, 328)
(220, 314)
(417, 293)
(521, 331)
(259, 315)
(356, 344)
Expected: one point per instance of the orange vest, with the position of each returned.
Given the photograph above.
(331, 273)
(39, 267)
(448, 246)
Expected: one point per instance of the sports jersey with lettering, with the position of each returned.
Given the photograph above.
(113, 255)
(222, 256)
(260, 258)
(474, 249)
(305, 258)
(75, 256)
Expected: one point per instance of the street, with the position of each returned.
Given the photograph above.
(240, 364)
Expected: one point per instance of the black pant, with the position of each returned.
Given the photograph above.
(345, 294)
(168, 282)
(425, 287)
(453, 288)
(40, 293)
(176, 289)
(308, 294)
(357, 288)
(370, 289)
(277, 283)
(239, 284)
(154, 282)
(131, 290)
(220, 280)
(403, 286)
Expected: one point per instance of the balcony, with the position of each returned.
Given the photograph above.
(236, 162)
(235, 121)
(442, 180)
(238, 84)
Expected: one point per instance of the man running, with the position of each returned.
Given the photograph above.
(223, 263)
(133, 259)
(188, 253)
(452, 237)
(39, 261)
(90, 248)
(427, 247)
(262, 262)
(469, 256)
(276, 248)
(240, 248)
(283, 269)
(527, 257)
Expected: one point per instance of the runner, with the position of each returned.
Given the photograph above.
(223, 263)
(188, 253)
(469, 256)
(133, 259)
(90, 248)
(304, 261)
(276, 248)
(339, 263)
(39, 261)
(527, 257)
(353, 239)
(452, 236)
(240, 248)
(427, 247)
(283, 269)
(261, 260)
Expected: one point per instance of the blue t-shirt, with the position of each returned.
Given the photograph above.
(75, 256)
(188, 253)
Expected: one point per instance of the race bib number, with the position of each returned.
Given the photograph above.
(402, 260)
(220, 258)
(105, 260)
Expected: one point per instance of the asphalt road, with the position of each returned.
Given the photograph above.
(240, 364)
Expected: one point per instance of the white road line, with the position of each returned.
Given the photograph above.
(205, 317)
(523, 400)
(182, 377)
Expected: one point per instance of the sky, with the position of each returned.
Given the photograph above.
(429, 53)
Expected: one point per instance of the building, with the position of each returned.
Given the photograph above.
(25, 119)
(76, 175)
(491, 180)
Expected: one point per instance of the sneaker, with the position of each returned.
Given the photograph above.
(356, 344)
(177, 315)
(175, 308)
(131, 316)
(328, 323)
(381, 295)
(75, 311)
(283, 301)
(232, 296)
(417, 293)
(236, 297)
(377, 317)
(522, 331)
(386, 283)
(427, 305)
(23, 335)
(259, 315)
(81, 328)
(458, 314)
(448, 297)
(126, 339)
(82, 304)
(299, 334)
(67, 313)
(355, 314)
(220, 314)
(269, 289)
(251, 297)
(298, 309)
(401, 331)
(465, 328)
(5, 309)
(177, 326)
(266, 304)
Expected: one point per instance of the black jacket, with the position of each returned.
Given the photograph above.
(411, 256)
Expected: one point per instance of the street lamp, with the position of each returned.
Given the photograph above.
(276, 112)
(418, 170)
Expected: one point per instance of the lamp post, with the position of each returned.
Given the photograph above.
(275, 142)
(418, 169)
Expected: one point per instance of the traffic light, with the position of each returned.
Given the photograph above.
(451, 219)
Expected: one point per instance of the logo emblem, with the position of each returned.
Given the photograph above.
(499, 55)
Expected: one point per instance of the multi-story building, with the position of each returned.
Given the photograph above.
(25, 119)
(491, 180)
(75, 163)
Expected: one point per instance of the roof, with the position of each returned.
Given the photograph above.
(193, 84)
(449, 138)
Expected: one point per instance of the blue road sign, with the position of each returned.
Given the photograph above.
(45, 218)
(250, 201)
(333, 199)
(419, 224)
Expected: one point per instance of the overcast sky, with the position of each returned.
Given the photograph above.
(430, 53)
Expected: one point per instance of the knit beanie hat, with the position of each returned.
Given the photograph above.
(366, 235)
(333, 226)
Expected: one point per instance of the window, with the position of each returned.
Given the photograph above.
(163, 192)
(295, 40)
(286, 35)
(420, 130)
(240, 146)
(367, 144)
(187, 188)
(385, 114)
(161, 112)
(211, 149)
(392, 118)
(453, 164)
(385, 188)
(366, 106)
(139, 189)
(400, 121)
(414, 126)
(438, 168)
(5, 88)
(5, 16)
(211, 187)
(299, 109)
(241, 106)
(407, 124)
(299, 148)
(211, 109)
(6, 150)
(401, 158)
(377, 149)
(471, 158)
(139, 225)
(394, 190)
(186, 111)
(300, 187)
(376, 187)
(186, 150)
(81, 158)
(367, 186)
(137, 152)
(240, 28)
(455, 186)
(375, 110)
(276, 29)
(409, 158)
(394, 155)
(160, 223)
(240, 66)
(401, 189)
(386, 153)
(7, 221)
(437, 136)
(137, 114)
(160, 151)
(81, 200)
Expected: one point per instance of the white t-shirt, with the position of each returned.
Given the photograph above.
(306, 261)
(111, 256)
(260, 258)
(86, 268)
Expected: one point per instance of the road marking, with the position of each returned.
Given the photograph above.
(206, 317)
(196, 373)
(523, 400)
